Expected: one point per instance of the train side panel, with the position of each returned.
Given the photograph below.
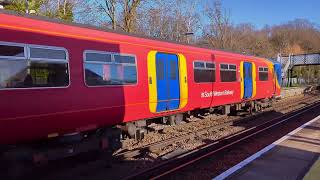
(29, 114)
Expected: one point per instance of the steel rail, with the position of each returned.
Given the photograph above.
(160, 144)
(186, 159)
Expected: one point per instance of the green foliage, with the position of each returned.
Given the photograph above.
(21, 7)
(65, 13)
(309, 74)
(44, 8)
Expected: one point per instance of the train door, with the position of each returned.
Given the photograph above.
(277, 78)
(168, 85)
(277, 70)
(248, 83)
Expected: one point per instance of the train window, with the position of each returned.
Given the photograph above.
(263, 74)
(124, 59)
(48, 74)
(224, 66)
(98, 57)
(204, 72)
(198, 64)
(44, 53)
(210, 65)
(233, 67)
(11, 50)
(130, 73)
(160, 70)
(39, 72)
(228, 73)
(173, 70)
(109, 69)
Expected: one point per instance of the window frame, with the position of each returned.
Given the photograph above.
(228, 67)
(228, 70)
(28, 59)
(112, 62)
(18, 45)
(49, 48)
(199, 62)
(205, 68)
(210, 68)
(124, 54)
(263, 71)
(97, 52)
(263, 67)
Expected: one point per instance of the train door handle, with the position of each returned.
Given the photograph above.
(150, 80)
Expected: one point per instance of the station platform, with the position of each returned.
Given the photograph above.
(295, 156)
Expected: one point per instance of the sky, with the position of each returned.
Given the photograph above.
(272, 12)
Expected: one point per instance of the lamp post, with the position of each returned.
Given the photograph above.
(27, 6)
(187, 34)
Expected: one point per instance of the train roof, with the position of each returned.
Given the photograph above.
(91, 27)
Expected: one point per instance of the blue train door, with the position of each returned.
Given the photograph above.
(247, 75)
(277, 69)
(168, 87)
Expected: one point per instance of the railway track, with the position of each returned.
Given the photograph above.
(154, 147)
(181, 161)
(158, 145)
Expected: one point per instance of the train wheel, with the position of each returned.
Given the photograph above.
(171, 120)
(135, 132)
(175, 119)
(179, 118)
(131, 130)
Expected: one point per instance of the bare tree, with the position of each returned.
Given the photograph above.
(154, 19)
(187, 21)
(114, 13)
(130, 14)
(109, 9)
(192, 20)
(219, 26)
(170, 20)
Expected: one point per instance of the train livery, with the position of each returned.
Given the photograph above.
(58, 79)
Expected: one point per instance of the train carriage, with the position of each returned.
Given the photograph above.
(59, 79)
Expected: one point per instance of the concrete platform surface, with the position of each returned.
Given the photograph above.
(314, 172)
(291, 157)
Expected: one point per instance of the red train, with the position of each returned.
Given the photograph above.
(60, 79)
